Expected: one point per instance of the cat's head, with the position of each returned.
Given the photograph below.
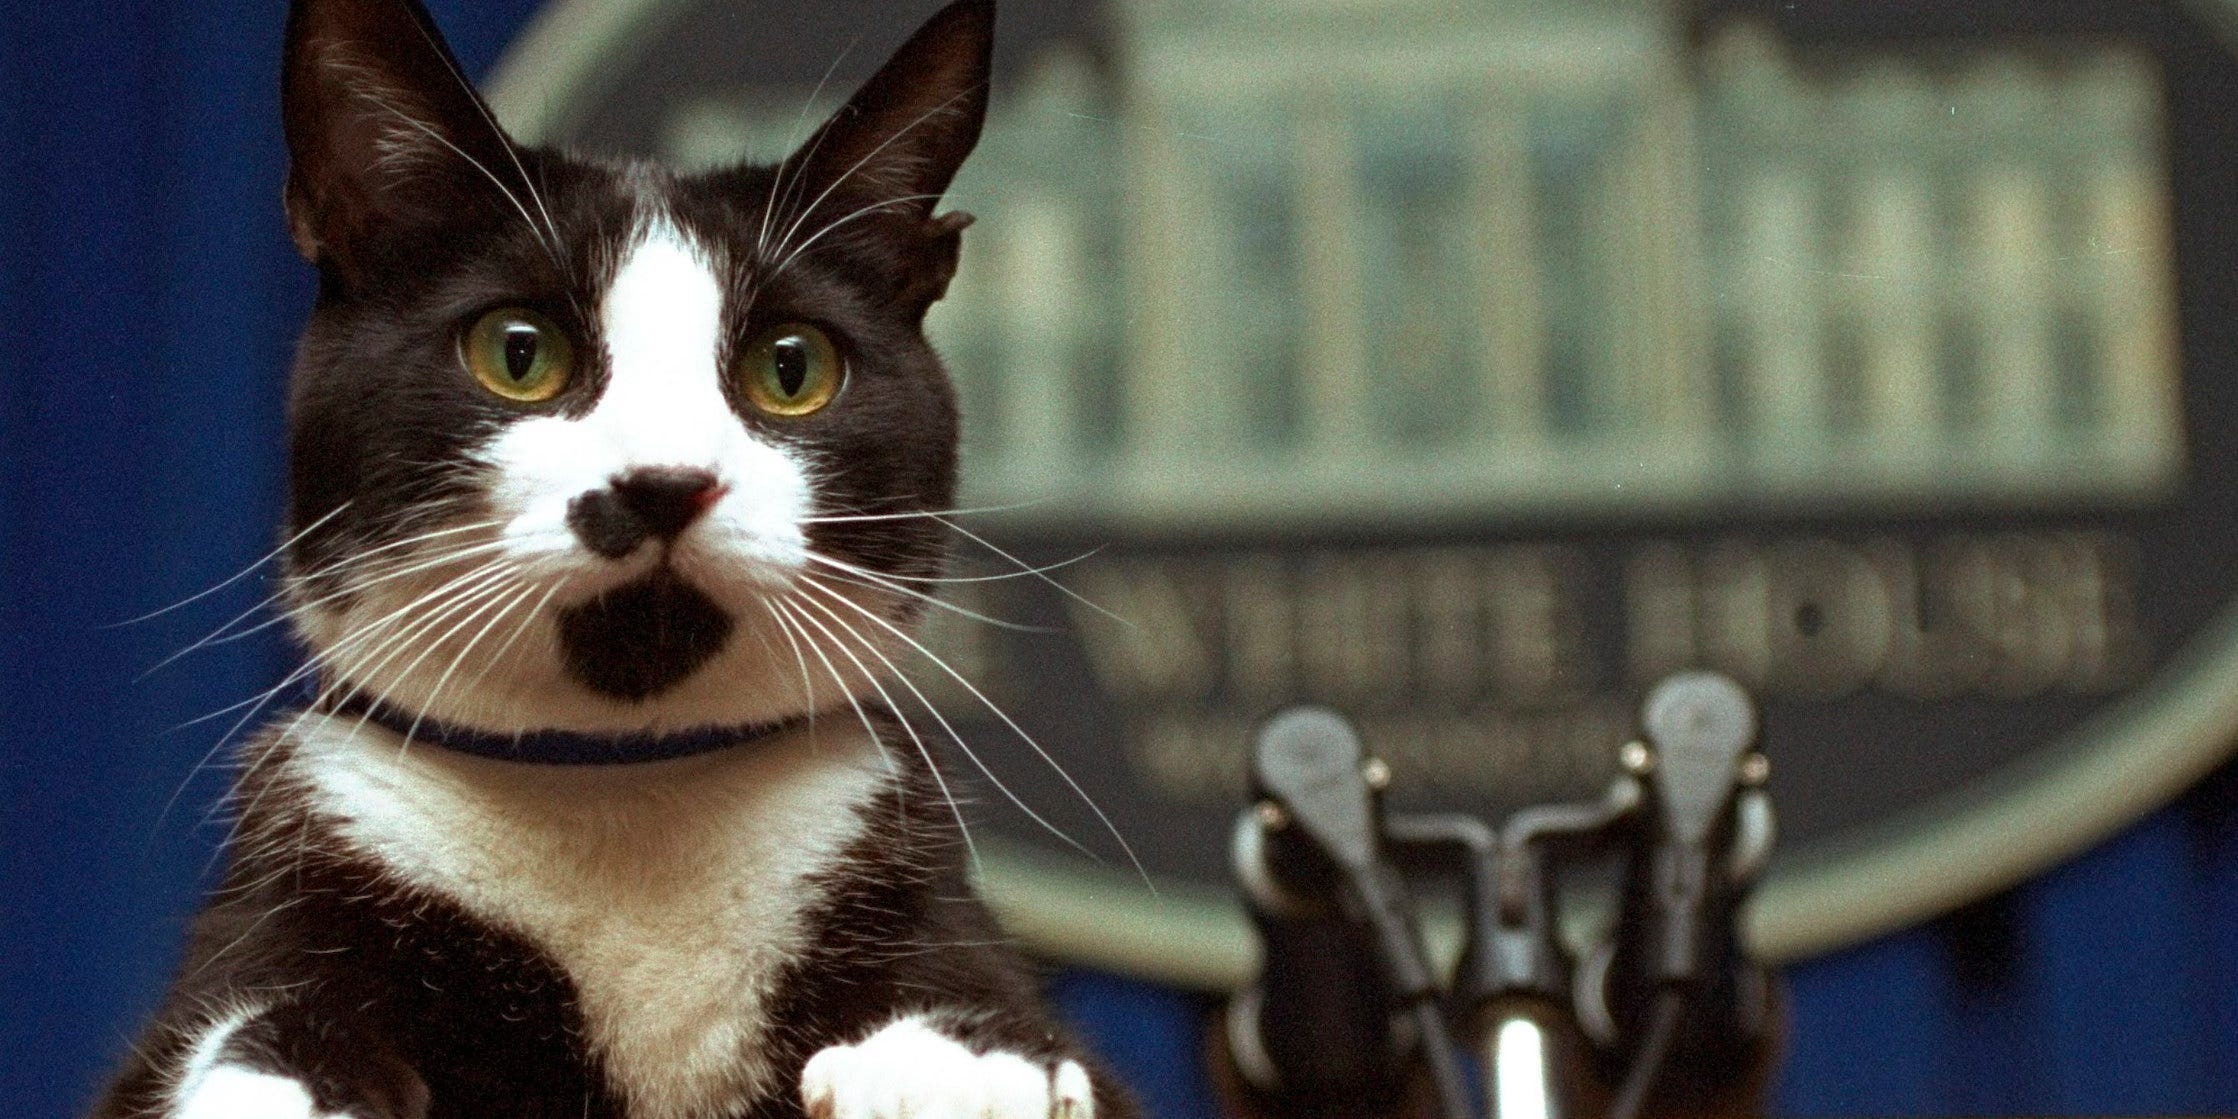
(594, 446)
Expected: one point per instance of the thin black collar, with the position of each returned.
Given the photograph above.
(551, 747)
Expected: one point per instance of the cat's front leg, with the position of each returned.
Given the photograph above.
(914, 1069)
(288, 1063)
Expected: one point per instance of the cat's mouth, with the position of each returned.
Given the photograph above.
(642, 638)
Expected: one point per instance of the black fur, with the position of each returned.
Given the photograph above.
(642, 638)
(390, 1003)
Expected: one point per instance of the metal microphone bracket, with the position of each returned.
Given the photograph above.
(1327, 871)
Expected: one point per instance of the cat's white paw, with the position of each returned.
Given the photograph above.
(911, 1071)
(232, 1092)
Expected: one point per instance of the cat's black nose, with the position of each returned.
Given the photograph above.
(666, 498)
(641, 504)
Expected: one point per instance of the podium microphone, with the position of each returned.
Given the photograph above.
(1347, 995)
(1678, 981)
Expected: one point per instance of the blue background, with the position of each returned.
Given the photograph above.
(147, 303)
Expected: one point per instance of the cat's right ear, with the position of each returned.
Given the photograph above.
(383, 130)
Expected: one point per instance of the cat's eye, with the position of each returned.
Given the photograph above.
(518, 354)
(790, 370)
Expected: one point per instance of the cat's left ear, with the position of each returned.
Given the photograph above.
(885, 158)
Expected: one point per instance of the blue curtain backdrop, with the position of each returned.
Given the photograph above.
(147, 302)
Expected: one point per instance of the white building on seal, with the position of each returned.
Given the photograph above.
(1369, 262)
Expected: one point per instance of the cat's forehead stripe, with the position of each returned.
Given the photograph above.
(663, 311)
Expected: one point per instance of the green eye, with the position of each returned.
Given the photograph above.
(518, 354)
(790, 370)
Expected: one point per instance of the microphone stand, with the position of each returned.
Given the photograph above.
(1347, 977)
(1349, 1014)
(1675, 986)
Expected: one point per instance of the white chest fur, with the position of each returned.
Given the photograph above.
(670, 892)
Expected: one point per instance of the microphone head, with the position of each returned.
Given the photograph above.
(1701, 723)
(1308, 761)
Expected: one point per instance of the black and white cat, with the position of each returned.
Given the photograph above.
(614, 497)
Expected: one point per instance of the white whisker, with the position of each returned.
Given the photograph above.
(863, 212)
(1028, 568)
(925, 514)
(398, 643)
(859, 164)
(474, 596)
(933, 710)
(237, 576)
(497, 133)
(777, 180)
(435, 692)
(528, 621)
(255, 704)
(551, 249)
(313, 664)
(998, 713)
(807, 685)
(931, 762)
(875, 581)
(220, 636)
(357, 636)
(395, 630)
(945, 580)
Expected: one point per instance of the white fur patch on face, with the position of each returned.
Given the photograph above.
(662, 406)
(671, 893)
(208, 1088)
(231, 1092)
(910, 1070)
